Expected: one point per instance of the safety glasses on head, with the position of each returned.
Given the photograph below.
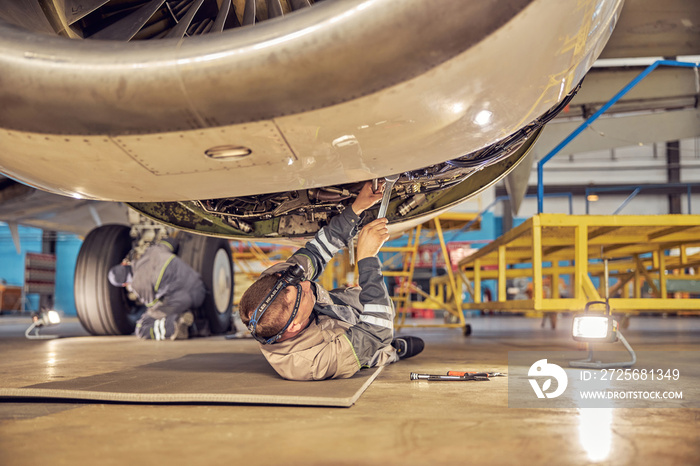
(290, 277)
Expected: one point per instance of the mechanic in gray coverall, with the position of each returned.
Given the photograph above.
(168, 287)
(308, 333)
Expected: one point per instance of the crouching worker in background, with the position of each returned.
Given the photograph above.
(308, 333)
(168, 287)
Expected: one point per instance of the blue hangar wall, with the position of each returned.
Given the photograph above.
(12, 264)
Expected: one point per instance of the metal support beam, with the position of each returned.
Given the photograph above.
(673, 174)
(477, 281)
(537, 263)
(580, 260)
(456, 294)
(502, 273)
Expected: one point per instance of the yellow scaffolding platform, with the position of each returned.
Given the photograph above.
(641, 250)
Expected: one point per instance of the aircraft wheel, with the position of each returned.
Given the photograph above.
(211, 257)
(103, 309)
(467, 330)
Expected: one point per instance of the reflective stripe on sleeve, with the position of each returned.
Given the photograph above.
(377, 309)
(377, 321)
(330, 247)
(324, 254)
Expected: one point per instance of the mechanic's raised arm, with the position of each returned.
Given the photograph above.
(376, 327)
(314, 256)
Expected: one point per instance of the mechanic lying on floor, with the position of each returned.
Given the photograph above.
(309, 333)
(169, 288)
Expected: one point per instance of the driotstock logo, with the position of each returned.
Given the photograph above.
(542, 369)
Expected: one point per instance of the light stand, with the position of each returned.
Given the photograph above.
(599, 328)
(43, 319)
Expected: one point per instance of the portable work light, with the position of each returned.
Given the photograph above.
(52, 318)
(44, 318)
(598, 328)
(594, 328)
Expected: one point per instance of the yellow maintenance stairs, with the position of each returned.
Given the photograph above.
(646, 255)
(447, 296)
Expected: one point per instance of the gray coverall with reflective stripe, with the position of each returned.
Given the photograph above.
(350, 328)
(166, 284)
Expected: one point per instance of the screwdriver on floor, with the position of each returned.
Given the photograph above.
(474, 378)
(478, 374)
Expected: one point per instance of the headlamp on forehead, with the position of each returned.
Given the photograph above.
(290, 277)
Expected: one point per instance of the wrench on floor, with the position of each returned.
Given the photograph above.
(388, 186)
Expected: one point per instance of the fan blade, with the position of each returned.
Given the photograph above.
(74, 10)
(299, 4)
(249, 13)
(200, 28)
(127, 27)
(178, 32)
(221, 16)
(274, 9)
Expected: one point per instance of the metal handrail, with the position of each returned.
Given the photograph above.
(592, 118)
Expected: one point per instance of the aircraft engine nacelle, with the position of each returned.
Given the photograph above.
(263, 118)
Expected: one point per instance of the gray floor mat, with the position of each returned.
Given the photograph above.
(203, 378)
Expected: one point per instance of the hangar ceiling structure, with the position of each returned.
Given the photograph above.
(663, 107)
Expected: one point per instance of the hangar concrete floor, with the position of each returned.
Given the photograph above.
(396, 421)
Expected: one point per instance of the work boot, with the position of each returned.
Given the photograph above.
(407, 346)
(183, 326)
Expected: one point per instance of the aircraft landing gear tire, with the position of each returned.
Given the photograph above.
(211, 257)
(103, 309)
